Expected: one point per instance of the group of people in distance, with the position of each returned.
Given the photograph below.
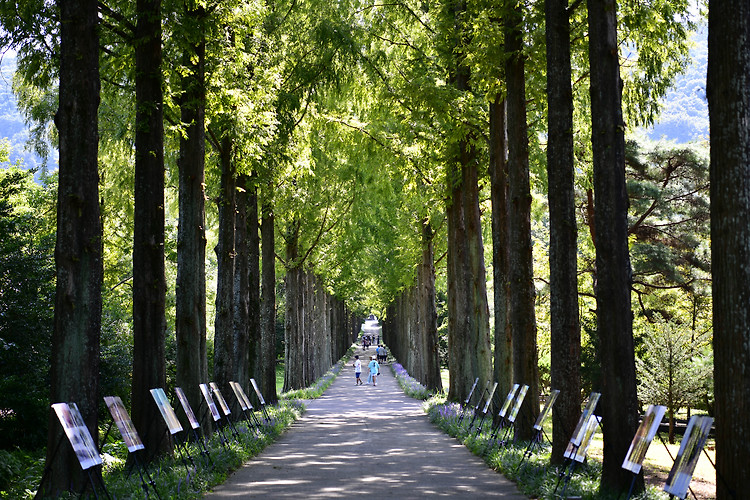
(373, 366)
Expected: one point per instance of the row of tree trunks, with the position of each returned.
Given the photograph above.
(74, 374)
(315, 336)
(410, 328)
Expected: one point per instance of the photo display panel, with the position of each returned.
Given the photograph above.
(517, 404)
(187, 408)
(471, 392)
(692, 444)
(220, 399)
(547, 407)
(578, 452)
(489, 398)
(241, 396)
(583, 421)
(257, 391)
(78, 434)
(167, 413)
(124, 423)
(210, 402)
(643, 437)
(508, 400)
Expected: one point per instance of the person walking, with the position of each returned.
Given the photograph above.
(357, 369)
(374, 370)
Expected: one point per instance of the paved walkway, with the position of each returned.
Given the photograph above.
(365, 442)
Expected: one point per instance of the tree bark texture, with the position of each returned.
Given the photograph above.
(565, 329)
(498, 170)
(267, 362)
(74, 375)
(190, 316)
(522, 292)
(149, 279)
(224, 345)
(729, 112)
(619, 405)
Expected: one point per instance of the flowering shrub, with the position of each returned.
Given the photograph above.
(410, 386)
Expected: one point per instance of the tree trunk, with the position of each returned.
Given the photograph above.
(268, 306)
(254, 350)
(149, 280)
(619, 403)
(294, 366)
(729, 106)
(224, 347)
(522, 292)
(498, 169)
(565, 329)
(190, 315)
(242, 362)
(468, 312)
(428, 316)
(74, 375)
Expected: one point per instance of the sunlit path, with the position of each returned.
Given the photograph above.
(370, 441)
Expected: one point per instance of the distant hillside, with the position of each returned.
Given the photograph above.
(684, 117)
(12, 125)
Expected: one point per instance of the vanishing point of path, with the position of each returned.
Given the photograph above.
(365, 442)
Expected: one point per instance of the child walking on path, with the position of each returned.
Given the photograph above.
(357, 369)
(374, 370)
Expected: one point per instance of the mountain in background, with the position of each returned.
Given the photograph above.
(12, 125)
(684, 116)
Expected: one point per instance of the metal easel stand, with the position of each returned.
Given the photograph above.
(91, 481)
(536, 443)
(565, 475)
(143, 473)
(222, 437)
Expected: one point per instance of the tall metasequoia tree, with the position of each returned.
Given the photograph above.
(469, 350)
(149, 280)
(267, 359)
(224, 338)
(190, 317)
(565, 330)
(619, 404)
(728, 93)
(74, 375)
(521, 273)
(503, 354)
